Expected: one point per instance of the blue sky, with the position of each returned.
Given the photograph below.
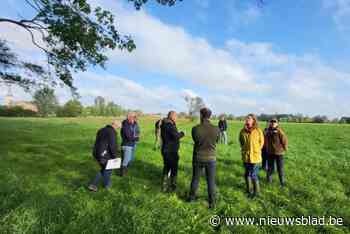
(282, 57)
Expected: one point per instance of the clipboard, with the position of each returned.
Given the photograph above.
(113, 164)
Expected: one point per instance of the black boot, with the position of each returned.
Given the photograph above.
(212, 205)
(249, 187)
(121, 171)
(256, 188)
(172, 184)
(282, 182)
(165, 183)
(211, 201)
(191, 197)
(124, 171)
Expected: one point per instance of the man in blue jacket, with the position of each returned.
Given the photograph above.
(105, 148)
(130, 133)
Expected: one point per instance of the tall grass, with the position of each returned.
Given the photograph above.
(47, 163)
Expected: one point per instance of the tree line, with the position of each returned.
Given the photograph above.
(47, 104)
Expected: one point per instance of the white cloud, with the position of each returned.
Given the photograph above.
(171, 50)
(238, 78)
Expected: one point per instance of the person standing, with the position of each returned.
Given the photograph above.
(105, 148)
(205, 137)
(223, 130)
(158, 140)
(276, 146)
(264, 164)
(130, 133)
(251, 139)
(170, 151)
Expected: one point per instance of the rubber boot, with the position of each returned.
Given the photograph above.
(172, 184)
(282, 182)
(165, 183)
(192, 197)
(211, 201)
(249, 186)
(269, 178)
(256, 188)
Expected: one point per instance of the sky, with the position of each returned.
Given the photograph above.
(239, 56)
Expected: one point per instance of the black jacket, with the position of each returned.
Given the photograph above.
(222, 125)
(170, 136)
(129, 133)
(106, 146)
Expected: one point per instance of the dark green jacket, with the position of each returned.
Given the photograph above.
(204, 136)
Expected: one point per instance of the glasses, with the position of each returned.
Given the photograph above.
(273, 121)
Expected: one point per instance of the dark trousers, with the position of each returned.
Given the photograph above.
(264, 164)
(278, 159)
(210, 171)
(171, 163)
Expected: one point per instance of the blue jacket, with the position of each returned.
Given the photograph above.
(129, 133)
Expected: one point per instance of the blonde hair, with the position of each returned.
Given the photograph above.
(255, 120)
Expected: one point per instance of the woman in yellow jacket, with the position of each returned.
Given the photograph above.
(251, 139)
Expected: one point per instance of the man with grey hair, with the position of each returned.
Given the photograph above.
(130, 133)
(105, 148)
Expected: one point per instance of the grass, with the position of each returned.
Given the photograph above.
(47, 163)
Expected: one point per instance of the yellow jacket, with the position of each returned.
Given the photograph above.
(251, 145)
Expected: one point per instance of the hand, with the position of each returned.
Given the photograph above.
(182, 133)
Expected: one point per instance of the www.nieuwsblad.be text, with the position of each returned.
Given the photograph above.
(216, 221)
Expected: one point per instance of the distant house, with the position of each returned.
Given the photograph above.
(9, 102)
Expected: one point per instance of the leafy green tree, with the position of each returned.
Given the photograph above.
(72, 108)
(73, 35)
(46, 101)
(11, 66)
(100, 106)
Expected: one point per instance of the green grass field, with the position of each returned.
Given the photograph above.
(47, 163)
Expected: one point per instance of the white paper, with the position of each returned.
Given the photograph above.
(113, 164)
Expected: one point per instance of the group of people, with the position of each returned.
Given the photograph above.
(257, 146)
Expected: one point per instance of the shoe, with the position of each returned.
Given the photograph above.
(92, 188)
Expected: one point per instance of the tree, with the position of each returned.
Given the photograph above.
(100, 105)
(11, 67)
(72, 108)
(46, 101)
(194, 105)
(73, 36)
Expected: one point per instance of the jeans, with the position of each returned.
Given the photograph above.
(210, 171)
(251, 170)
(280, 166)
(171, 163)
(128, 155)
(105, 174)
(223, 137)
